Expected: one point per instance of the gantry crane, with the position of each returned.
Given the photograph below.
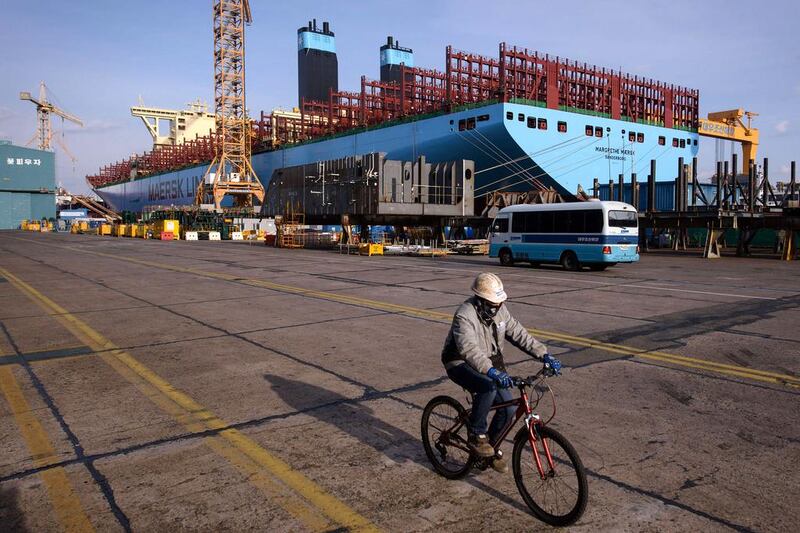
(231, 172)
(728, 125)
(44, 131)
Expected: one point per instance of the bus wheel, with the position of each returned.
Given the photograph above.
(506, 259)
(570, 261)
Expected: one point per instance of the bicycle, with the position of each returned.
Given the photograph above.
(539, 451)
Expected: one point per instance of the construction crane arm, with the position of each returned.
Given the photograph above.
(25, 95)
(50, 108)
(66, 116)
(728, 125)
(248, 16)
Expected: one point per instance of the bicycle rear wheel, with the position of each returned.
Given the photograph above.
(444, 436)
(560, 498)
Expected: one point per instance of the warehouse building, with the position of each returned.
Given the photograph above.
(27, 185)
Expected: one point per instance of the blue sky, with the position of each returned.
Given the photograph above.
(99, 56)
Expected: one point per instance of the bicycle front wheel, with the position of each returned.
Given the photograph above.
(444, 436)
(559, 497)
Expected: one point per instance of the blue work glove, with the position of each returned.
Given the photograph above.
(552, 364)
(501, 378)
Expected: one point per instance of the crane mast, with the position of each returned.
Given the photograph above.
(231, 172)
(44, 110)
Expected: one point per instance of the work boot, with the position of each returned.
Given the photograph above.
(499, 464)
(480, 446)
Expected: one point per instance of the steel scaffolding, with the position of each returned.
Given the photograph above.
(231, 172)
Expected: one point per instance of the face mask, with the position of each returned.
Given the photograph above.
(486, 310)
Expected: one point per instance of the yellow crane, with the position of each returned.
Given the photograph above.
(231, 172)
(728, 125)
(44, 110)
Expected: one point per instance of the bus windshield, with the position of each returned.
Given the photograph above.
(622, 219)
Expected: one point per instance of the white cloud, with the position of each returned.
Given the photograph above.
(785, 169)
(782, 126)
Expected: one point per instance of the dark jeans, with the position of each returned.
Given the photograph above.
(485, 393)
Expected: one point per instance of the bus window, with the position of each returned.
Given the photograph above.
(589, 131)
(640, 137)
(576, 222)
(598, 131)
(531, 122)
(542, 123)
(471, 123)
(631, 137)
(518, 222)
(500, 225)
(562, 126)
(532, 223)
(622, 219)
(546, 222)
(593, 221)
(509, 115)
(561, 221)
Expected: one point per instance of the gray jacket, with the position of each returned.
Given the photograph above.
(480, 344)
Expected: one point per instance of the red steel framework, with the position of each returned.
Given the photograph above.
(471, 78)
(517, 75)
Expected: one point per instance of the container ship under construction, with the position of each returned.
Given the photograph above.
(528, 121)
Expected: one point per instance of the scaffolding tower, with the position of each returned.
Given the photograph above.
(231, 172)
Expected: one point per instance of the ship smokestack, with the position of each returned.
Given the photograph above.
(392, 56)
(317, 65)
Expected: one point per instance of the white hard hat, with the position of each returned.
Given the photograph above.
(489, 287)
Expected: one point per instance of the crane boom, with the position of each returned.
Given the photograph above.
(44, 109)
(728, 125)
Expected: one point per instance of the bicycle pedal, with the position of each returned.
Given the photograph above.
(481, 464)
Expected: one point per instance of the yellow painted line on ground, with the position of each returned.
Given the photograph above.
(662, 357)
(66, 504)
(309, 503)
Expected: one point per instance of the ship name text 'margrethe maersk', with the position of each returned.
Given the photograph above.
(619, 154)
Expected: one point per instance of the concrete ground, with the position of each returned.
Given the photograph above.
(174, 386)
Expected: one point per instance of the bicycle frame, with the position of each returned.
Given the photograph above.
(532, 421)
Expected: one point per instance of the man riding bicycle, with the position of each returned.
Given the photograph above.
(473, 359)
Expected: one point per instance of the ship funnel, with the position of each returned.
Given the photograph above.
(317, 66)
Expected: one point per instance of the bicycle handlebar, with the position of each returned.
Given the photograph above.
(530, 381)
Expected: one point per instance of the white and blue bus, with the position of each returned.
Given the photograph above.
(594, 234)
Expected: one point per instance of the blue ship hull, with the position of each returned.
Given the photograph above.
(510, 154)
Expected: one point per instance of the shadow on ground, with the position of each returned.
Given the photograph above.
(11, 516)
(355, 418)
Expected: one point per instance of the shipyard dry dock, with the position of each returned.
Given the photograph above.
(210, 386)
